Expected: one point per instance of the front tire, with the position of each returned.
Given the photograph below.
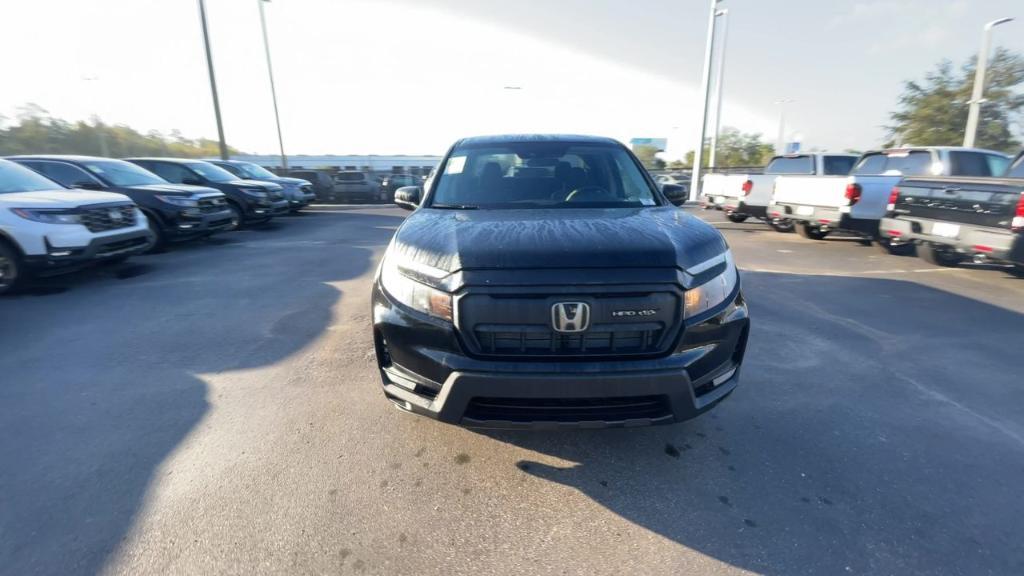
(737, 218)
(159, 239)
(12, 270)
(938, 256)
(811, 232)
(236, 217)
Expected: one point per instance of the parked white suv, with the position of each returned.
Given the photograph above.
(45, 228)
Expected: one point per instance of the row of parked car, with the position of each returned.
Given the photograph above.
(355, 185)
(60, 213)
(947, 204)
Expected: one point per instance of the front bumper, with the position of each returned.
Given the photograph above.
(185, 225)
(994, 244)
(268, 209)
(100, 248)
(425, 370)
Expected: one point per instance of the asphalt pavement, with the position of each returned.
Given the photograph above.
(216, 410)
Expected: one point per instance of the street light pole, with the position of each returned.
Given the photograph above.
(698, 154)
(974, 112)
(724, 13)
(213, 81)
(780, 142)
(273, 91)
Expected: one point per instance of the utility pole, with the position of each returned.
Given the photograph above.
(977, 96)
(780, 142)
(724, 13)
(213, 81)
(698, 154)
(273, 91)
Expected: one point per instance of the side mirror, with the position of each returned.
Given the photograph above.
(87, 185)
(675, 193)
(409, 197)
(192, 181)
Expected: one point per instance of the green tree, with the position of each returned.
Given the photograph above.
(736, 149)
(679, 164)
(648, 156)
(934, 112)
(36, 132)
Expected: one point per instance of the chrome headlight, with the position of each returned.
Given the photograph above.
(702, 298)
(413, 294)
(48, 216)
(178, 200)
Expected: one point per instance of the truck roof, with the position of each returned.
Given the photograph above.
(517, 138)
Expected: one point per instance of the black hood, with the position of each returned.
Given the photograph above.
(657, 237)
(175, 189)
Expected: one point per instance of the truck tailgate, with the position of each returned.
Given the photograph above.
(724, 185)
(811, 190)
(987, 202)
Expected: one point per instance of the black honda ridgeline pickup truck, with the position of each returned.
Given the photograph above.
(544, 281)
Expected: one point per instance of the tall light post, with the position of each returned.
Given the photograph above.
(780, 143)
(724, 15)
(698, 154)
(213, 81)
(101, 135)
(273, 91)
(979, 82)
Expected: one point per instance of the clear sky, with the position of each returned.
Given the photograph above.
(410, 76)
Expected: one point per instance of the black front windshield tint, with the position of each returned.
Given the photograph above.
(120, 173)
(17, 178)
(211, 172)
(541, 175)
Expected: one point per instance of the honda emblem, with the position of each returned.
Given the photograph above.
(570, 316)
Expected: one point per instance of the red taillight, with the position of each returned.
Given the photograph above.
(893, 197)
(1018, 217)
(853, 192)
(747, 187)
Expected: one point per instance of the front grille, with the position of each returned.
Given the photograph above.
(568, 409)
(111, 217)
(610, 339)
(629, 324)
(211, 205)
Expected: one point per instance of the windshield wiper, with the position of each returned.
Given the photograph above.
(455, 206)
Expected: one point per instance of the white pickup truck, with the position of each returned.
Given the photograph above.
(856, 203)
(748, 194)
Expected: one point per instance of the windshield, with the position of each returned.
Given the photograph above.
(211, 172)
(254, 171)
(120, 173)
(1017, 170)
(917, 163)
(15, 178)
(541, 174)
(350, 177)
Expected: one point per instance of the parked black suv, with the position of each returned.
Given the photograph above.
(298, 192)
(545, 281)
(952, 220)
(175, 212)
(323, 184)
(393, 182)
(251, 201)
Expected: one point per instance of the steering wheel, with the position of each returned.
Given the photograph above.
(589, 194)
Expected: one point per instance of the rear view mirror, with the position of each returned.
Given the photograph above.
(408, 197)
(87, 185)
(675, 193)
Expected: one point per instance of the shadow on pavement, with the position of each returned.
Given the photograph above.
(878, 428)
(99, 384)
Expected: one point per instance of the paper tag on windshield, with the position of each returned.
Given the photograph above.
(455, 165)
